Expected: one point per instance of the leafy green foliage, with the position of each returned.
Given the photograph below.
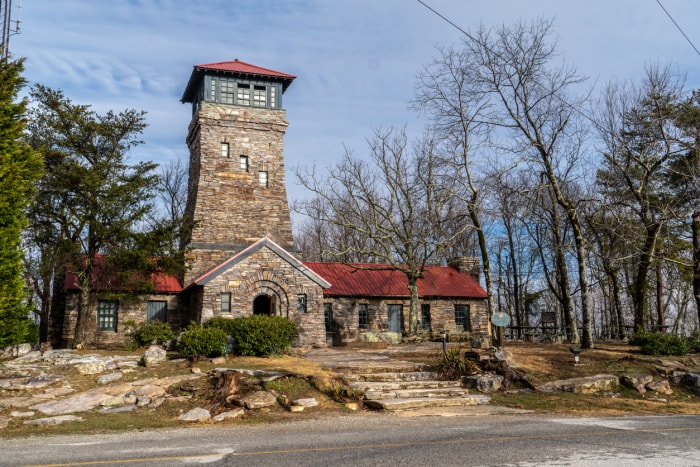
(661, 343)
(200, 340)
(20, 167)
(258, 335)
(146, 333)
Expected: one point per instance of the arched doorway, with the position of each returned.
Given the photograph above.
(262, 305)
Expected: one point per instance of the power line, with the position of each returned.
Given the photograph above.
(677, 26)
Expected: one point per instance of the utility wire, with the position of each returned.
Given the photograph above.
(676, 24)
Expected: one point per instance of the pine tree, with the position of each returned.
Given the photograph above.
(20, 167)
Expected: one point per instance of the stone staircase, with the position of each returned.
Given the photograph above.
(411, 390)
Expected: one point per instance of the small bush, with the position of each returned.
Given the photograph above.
(147, 333)
(454, 366)
(199, 340)
(661, 343)
(258, 335)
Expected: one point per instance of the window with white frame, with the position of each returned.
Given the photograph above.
(244, 163)
(262, 178)
(107, 315)
(225, 148)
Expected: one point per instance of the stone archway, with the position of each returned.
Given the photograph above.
(262, 305)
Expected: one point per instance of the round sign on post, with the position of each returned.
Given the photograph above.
(500, 319)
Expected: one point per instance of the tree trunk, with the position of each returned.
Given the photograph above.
(58, 307)
(413, 314)
(696, 260)
(642, 279)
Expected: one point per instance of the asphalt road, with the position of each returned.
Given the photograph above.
(381, 439)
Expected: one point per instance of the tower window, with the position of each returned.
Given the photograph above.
(262, 177)
(244, 163)
(301, 303)
(243, 96)
(224, 150)
(273, 97)
(227, 88)
(259, 96)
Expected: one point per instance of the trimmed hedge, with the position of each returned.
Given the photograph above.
(147, 333)
(200, 340)
(257, 335)
(662, 343)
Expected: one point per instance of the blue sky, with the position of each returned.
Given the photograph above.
(355, 61)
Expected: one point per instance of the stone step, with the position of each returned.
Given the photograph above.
(417, 403)
(391, 376)
(374, 368)
(395, 385)
(426, 393)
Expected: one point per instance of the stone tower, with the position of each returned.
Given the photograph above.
(236, 191)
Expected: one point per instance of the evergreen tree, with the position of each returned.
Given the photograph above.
(20, 166)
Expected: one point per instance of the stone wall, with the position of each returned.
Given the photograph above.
(264, 272)
(442, 313)
(130, 308)
(229, 206)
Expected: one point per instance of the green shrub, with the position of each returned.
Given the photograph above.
(258, 335)
(200, 340)
(147, 333)
(454, 366)
(694, 342)
(661, 343)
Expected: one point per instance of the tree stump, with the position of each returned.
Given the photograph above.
(228, 387)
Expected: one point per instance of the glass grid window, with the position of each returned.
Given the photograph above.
(224, 150)
(259, 96)
(243, 95)
(226, 302)
(212, 94)
(273, 97)
(362, 316)
(226, 91)
(107, 315)
(262, 177)
(301, 303)
(244, 163)
(462, 316)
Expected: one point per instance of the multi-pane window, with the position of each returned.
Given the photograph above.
(156, 310)
(243, 95)
(226, 302)
(225, 149)
(107, 315)
(212, 94)
(301, 303)
(362, 316)
(462, 316)
(425, 317)
(328, 316)
(244, 163)
(262, 177)
(273, 97)
(226, 91)
(259, 96)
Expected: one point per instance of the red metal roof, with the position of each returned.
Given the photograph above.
(237, 66)
(437, 281)
(164, 283)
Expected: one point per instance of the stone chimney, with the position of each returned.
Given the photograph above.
(467, 265)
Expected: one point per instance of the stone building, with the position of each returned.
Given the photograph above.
(241, 257)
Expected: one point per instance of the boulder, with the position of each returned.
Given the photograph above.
(692, 382)
(584, 385)
(82, 401)
(17, 414)
(91, 368)
(150, 391)
(503, 355)
(257, 400)
(53, 420)
(487, 383)
(153, 355)
(231, 414)
(4, 421)
(17, 350)
(109, 378)
(637, 382)
(30, 383)
(308, 402)
(662, 387)
(196, 415)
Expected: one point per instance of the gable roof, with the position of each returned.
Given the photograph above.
(163, 283)
(262, 243)
(235, 68)
(437, 281)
